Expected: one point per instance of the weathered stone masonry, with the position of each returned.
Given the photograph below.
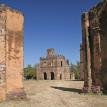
(94, 42)
(81, 63)
(11, 53)
(54, 67)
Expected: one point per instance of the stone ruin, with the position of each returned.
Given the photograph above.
(94, 48)
(81, 63)
(54, 67)
(11, 53)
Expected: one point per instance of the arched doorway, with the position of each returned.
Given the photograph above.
(52, 76)
(45, 76)
(70, 76)
(60, 76)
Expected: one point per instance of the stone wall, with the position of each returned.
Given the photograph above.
(11, 28)
(81, 63)
(2, 56)
(95, 48)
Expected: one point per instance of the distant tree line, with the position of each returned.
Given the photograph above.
(30, 72)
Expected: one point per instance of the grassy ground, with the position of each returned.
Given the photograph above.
(57, 94)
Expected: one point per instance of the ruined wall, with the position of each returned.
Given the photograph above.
(2, 55)
(103, 26)
(81, 63)
(56, 64)
(97, 41)
(12, 52)
(85, 33)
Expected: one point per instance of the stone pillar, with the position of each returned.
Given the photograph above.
(96, 62)
(11, 60)
(87, 54)
(95, 50)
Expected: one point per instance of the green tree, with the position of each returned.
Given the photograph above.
(76, 69)
(30, 72)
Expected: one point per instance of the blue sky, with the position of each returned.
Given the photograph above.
(51, 24)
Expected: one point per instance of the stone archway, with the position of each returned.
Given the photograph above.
(52, 76)
(45, 76)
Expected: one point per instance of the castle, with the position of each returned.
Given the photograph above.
(54, 67)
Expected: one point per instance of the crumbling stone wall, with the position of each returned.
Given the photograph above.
(94, 25)
(81, 63)
(11, 53)
(103, 27)
(55, 65)
(2, 55)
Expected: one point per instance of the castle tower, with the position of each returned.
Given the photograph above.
(50, 52)
(11, 53)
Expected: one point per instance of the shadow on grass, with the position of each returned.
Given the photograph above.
(68, 89)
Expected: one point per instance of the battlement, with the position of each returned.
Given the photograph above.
(50, 52)
(60, 56)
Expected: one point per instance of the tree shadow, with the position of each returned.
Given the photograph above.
(67, 89)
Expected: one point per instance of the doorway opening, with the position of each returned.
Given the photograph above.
(45, 76)
(70, 76)
(52, 76)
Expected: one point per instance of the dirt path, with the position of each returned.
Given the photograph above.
(57, 94)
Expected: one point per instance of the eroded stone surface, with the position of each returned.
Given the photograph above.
(95, 35)
(11, 52)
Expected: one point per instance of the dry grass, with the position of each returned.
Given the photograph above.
(57, 94)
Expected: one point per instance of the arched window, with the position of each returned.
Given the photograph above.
(61, 63)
